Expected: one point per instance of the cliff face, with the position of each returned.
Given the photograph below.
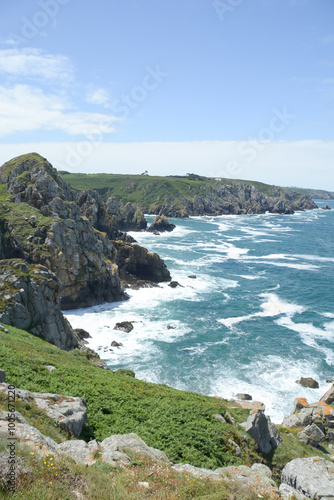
(43, 221)
(30, 300)
(233, 199)
(192, 194)
(57, 235)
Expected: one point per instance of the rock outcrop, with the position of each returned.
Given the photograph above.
(316, 420)
(56, 235)
(263, 431)
(258, 477)
(68, 412)
(160, 224)
(30, 301)
(309, 477)
(135, 261)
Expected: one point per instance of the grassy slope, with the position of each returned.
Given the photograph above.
(316, 194)
(147, 189)
(177, 422)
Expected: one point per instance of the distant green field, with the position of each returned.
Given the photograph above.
(151, 189)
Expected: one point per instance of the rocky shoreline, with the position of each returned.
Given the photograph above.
(302, 478)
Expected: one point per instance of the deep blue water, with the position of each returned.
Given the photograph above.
(258, 316)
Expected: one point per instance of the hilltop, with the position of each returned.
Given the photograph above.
(192, 194)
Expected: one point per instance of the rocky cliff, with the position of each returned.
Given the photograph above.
(44, 221)
(180, 196)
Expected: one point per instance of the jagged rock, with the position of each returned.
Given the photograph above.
(33, 303)
(174, 284)
(219, 417)
(160, 224)
(82, 334)
(299, 403)
(82, 258)
(326, 207)
(263, 431)
(136, 261)
(116, 344)
(124, 326)
(312, 477)
(311, 435)
(113, 445)
(328, 397)
(2, 376)
(192, 276)
(246, 397)
(308, 382)
(170, 327)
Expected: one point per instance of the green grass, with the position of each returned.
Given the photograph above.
(177, 422)
(150, 191)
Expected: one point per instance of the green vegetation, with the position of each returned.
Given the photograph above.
(150, 190)
(316, 194)
(27, 226)
(58, 477)
(177, 422)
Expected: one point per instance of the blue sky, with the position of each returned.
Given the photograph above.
(226, 88)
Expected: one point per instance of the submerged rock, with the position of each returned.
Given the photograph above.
(124, 326)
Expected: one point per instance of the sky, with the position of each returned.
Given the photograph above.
(224, 88)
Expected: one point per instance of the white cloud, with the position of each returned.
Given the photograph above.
(25, 108)
(284, 163)
(99, 96)
(32, 63)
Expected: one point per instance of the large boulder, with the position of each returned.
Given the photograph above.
(68, 412)
(263, 431)
(312, 477)
(308, 382)
(312, 435)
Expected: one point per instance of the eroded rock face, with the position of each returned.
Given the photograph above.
(312, 477)
(82, 257)
(31, 294)
(263, 431)
(139, 262)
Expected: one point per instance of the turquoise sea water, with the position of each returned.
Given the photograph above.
(259, 315)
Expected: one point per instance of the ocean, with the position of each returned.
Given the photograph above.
(258, 316)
